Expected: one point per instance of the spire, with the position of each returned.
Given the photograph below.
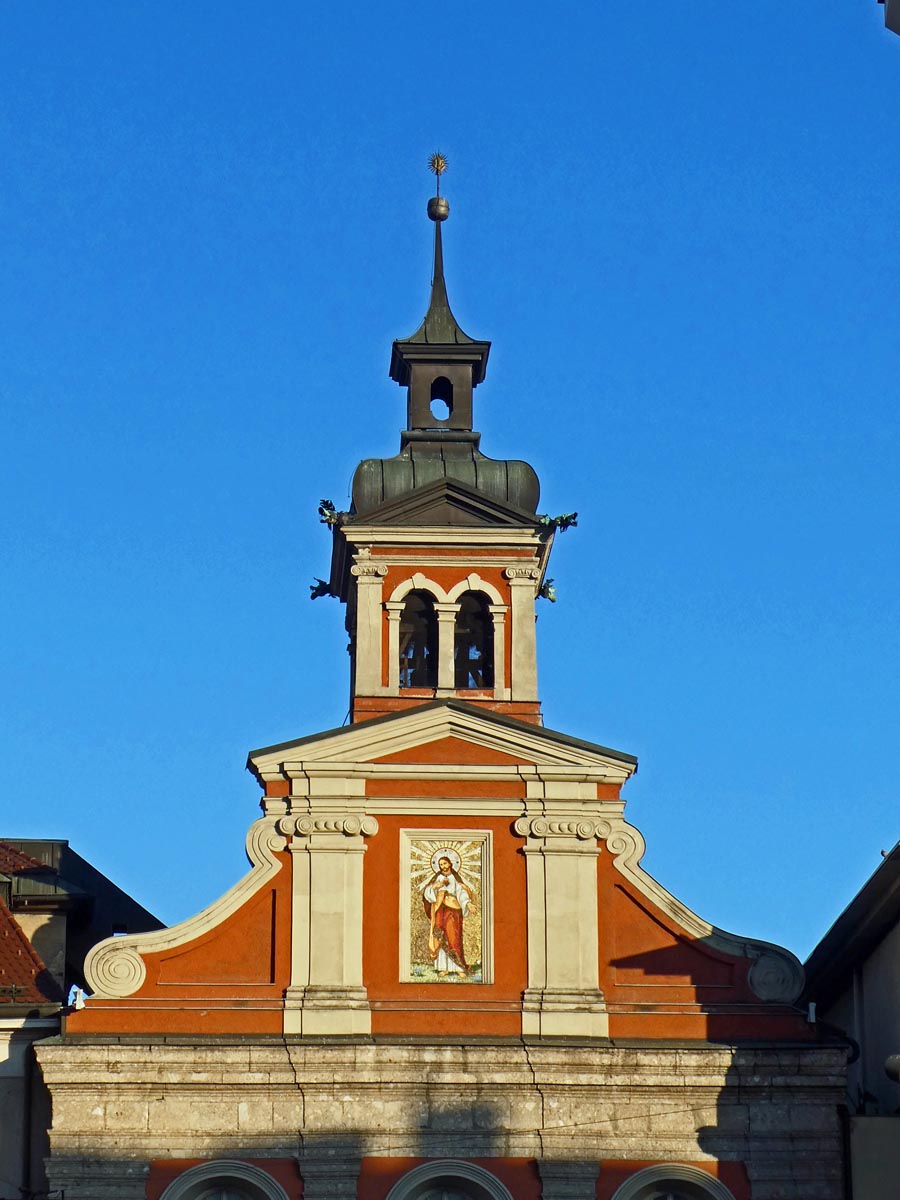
(439, 328)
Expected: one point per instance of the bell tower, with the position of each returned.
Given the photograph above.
(442, 554)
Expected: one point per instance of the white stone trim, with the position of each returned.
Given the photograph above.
(639, 1184)
(369, 577)
(474, 583)
(524, 581)
(563, 996)
(418, 583)
(776, 975)
(326, 994)
(465, 536)
(191, 1184)
(429, 1175)
(358, 745)
(114, 967)
(446, 637)
(394, 610)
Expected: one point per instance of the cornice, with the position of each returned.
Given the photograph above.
(360, 745)
(462, 536)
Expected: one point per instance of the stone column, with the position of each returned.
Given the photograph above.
(369, 582)
(563, 997)
(498, 619)
(523, 676)
(394, 612)
(326, 994)
(446, 618)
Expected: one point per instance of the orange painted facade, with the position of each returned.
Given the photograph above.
(659, 981)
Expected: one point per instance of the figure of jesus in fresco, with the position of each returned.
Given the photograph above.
(446, 900)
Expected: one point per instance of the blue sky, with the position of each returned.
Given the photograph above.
(677, 223)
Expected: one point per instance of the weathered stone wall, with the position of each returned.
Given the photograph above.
(120, 1104)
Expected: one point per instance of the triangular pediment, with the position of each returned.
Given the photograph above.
(447, 501)
(423, 735)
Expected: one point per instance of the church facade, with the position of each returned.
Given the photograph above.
(446, 973)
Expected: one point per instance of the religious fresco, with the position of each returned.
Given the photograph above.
(446, 906)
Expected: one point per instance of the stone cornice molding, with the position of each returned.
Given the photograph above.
(463, 536)
(775, 975)
(351, 825)
(359, 745)
(114, 968)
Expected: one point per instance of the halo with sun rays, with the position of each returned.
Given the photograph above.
(464, 855)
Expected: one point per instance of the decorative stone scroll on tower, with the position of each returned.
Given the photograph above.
(446, 972)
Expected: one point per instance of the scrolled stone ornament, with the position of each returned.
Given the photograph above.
(621, 843)
(114, 970)
(776, 977)
(522, 573)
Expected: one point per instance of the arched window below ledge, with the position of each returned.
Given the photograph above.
(672, 1181)
(224, 1180)
(418, 642)
(450, 1178)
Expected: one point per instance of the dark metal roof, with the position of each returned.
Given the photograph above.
(439, 327)
(872, 913)
(377, 481)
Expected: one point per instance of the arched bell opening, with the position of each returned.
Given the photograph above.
(473, 643)
(418, 642)
(441, 402)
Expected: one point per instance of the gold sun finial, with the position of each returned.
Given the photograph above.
(437, 164)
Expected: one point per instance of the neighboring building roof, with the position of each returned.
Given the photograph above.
(891, 14)
(872, 912)
(14, 861)
(53, 878)
(24, 980)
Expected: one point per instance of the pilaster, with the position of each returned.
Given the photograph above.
(568, 1179)
(563, 997)
(326, 993)
(330, 1178)
(369, 587)
(522, 588)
